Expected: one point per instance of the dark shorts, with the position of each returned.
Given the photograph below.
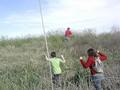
(56, 79)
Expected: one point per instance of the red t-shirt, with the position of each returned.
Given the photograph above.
(68, 33)
(91, 61)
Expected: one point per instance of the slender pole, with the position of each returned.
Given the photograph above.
(43, 27)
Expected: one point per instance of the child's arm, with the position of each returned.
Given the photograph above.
(102, 56)
(46, 57)
(87, 63)
(63, 59)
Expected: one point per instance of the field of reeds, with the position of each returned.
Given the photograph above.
(23, 65)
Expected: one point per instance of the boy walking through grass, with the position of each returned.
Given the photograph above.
(56, 69)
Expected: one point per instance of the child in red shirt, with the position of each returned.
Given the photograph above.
(68, 34)
(95, 76)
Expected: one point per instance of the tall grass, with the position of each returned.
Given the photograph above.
(23, 65)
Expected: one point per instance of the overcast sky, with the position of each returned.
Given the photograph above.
(22, 17)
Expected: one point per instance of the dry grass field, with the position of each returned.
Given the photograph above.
(23, 65)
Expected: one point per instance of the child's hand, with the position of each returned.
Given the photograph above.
(46, 57)
(81, 58)
(62, 56)
(98, 51)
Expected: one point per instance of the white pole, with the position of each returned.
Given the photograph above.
(43, 27)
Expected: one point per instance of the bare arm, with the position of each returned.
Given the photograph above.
(46, 57)
(63, 59)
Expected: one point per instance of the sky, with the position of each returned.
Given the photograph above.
(19, 18)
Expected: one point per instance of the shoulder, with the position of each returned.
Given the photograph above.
(91, 58)
(52, 59)
(55, 59)
(59, 59)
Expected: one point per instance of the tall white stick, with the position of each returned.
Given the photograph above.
(43, 27)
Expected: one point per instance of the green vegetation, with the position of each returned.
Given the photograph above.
(23, 65)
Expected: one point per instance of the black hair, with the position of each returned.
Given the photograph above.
(91, 52)
(53, 54)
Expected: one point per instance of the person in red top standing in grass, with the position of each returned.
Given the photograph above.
(96, 77)
(68, 34)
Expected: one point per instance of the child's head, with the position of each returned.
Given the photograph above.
(53, 54)
(68, 28)
(91, 52)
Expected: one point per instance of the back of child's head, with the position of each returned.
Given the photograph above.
(91, 52)
(53, 54)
